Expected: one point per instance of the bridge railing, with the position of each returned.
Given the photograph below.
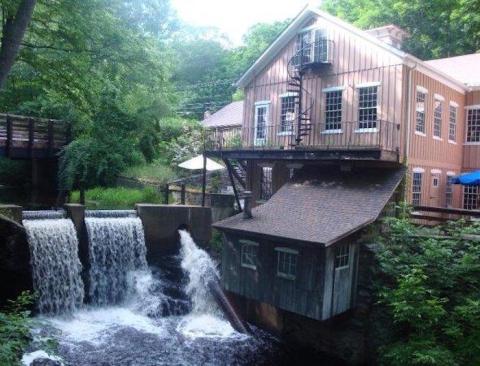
(23, 137)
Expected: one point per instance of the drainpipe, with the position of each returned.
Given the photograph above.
(409, 120)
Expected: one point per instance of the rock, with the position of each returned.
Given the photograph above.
(45, 362)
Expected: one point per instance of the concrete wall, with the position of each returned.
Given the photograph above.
(161, 223)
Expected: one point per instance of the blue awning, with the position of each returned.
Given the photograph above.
(468, 179)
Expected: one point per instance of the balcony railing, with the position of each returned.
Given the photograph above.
(381, 135)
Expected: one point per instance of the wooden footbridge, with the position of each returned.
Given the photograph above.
(32, 138)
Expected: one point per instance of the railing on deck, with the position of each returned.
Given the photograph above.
(22, 136)
(381, 135)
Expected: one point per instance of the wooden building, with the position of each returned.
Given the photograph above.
(348, 109)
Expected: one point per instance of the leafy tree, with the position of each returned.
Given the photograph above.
(437, 28)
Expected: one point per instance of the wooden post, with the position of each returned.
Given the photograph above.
(50, 137)
(8, 143)
(166, 193)
(204, 178)
(182, 193)
(31, 136)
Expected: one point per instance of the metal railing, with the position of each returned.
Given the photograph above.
(381, 135)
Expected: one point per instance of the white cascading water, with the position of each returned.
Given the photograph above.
(56, 267)
(116, 249)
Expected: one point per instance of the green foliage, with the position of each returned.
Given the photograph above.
(157, 172)
(14, 329)
(437, 28)
(431, 291)
(117, 198)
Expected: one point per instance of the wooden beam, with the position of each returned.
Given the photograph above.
(204, 178)
(452, 211)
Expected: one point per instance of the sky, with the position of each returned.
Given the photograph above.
(234, 17)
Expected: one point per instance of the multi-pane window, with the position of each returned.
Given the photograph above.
(266, 188)
(249, 254)
(342, 256)
(452, 123)
(473, 125)
(287, 116)
(261, 118)
(437, 118)
(286, 263)
(333, 110)
(471, 198)
(449, 192)
(435, 180)
(417, 188)
(367, 107)
(420, 112)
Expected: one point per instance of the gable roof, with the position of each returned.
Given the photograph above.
(465, 69)
(282, 40)
(323, 210)
(230, 115)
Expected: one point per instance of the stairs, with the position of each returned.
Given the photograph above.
(239, 171)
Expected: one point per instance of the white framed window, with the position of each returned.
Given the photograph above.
(420, 111)
(367, 107)
(249, 254)
(449, 191)
(342, 256)
(435, 180)
(333, 110)
(287, 113)
(473, 125)
(452, 122)
(437, 117)
(471, 198)
(261, 122)
(266, 184)
(417, 188)
(286, 263)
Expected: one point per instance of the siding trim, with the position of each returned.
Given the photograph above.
(334, 88)
(418, 170)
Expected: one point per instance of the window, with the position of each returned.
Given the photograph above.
(287, 116)
(449, 192)
(261, 118)
(437, 118)
(452, 123)
(435, 180)
(417, 188)
(420, 112)
(333, 110)
(367, 107)
(249, 254)
(286, 263)
(471, 200)
(266, 189)
(342, 256)
(473, 125)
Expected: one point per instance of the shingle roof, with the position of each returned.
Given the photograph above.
(230, 115)
(322, 210)
(465, 69)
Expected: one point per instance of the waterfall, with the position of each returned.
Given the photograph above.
(201, 270)
(56, 267)
(116, 249)
(43, 214)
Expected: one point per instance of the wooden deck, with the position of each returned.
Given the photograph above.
(28, 137)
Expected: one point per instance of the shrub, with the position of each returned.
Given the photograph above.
(431, 293)
(15, 329)
(117, 198)
(156, 172)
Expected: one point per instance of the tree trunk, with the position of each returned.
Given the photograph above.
(13, 32)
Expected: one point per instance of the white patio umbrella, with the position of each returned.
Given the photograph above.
(196, 163)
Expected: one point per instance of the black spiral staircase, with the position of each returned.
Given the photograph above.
(310, 56)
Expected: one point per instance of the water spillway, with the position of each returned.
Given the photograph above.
(56, 267)
(116, 249)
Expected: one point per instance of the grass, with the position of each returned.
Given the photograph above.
(117, 198)
(156, 172)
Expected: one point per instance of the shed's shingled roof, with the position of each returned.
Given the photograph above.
(465, 69)
(230, 115)
(322, 210)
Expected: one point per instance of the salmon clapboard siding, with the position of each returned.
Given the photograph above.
(355, 62)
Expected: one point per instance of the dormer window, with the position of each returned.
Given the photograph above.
(312, 47)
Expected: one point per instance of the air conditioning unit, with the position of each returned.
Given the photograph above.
(313, 47)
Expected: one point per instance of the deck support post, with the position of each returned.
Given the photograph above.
(182, 193)
(204, 178)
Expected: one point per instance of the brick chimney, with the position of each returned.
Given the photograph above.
(390, 34)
